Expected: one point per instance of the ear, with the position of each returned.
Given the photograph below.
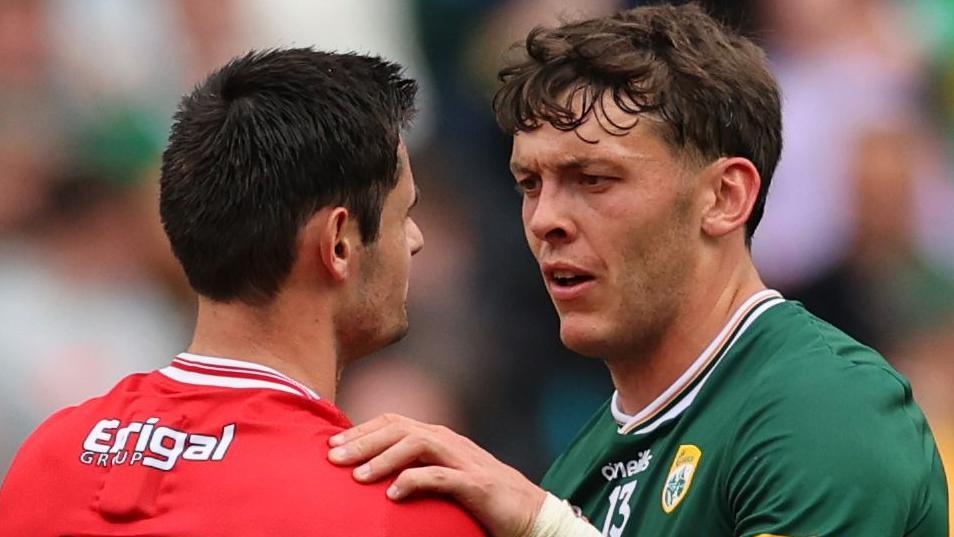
(335, 246)
(735, 186)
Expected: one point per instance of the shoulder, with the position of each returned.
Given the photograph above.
(65, 423)
(335, 500)
(813, 381)
(796, 377)
(291, 456)
(826, 419)
(429, 517)
(804, 361)
(41, 450)
(50, 456)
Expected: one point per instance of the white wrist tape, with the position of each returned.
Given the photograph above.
(557, 519)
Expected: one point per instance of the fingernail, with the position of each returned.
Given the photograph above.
(338, 454)
(394, 492)
(336, 440)
(362, 472)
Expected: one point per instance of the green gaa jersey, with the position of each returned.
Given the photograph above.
(784, 426)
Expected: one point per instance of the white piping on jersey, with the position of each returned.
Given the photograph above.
(230, 365)
(629, 423)
(230, 373)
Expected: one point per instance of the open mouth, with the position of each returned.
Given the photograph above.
(565, 278)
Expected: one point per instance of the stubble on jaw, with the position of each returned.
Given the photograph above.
(662, 285)
(368, 326)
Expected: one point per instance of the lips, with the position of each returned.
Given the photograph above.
(567, 282)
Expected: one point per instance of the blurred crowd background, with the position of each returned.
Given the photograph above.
(859, 223)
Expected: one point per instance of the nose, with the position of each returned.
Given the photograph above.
(415, 237)
(547, 217)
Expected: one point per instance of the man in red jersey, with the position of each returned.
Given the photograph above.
(285, 193)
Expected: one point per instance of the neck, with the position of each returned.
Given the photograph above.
(642, 377)
(294, 341)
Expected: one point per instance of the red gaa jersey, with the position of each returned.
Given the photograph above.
(204, 447)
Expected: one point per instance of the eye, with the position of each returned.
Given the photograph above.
(529, 186)
(594, 181)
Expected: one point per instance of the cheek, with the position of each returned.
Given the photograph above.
(532, 241)
(402, 261)
(658, 256)
(611, 230)
(629, 247)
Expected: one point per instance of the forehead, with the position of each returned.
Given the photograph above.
(405, 184)
(608, 134)
(402, 158)
(403, 161)
(590, 144)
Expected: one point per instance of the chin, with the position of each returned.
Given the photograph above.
(584, 338)
(398, 333)
(373, 334)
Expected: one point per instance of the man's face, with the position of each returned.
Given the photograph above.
(380, 315)
(612, 226)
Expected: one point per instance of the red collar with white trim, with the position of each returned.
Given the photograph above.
(229, 373)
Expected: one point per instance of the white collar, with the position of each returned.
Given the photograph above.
(649, 418)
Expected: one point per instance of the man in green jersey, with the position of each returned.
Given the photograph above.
(644, 144)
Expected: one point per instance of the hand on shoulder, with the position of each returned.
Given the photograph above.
(432, 458)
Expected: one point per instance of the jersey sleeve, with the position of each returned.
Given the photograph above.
(825, 456)
(429, 517)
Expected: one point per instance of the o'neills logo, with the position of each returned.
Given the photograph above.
(156, 447)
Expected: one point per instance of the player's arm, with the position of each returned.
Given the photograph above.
(500, 497)
(847, 460)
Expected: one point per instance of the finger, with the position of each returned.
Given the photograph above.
(372, 443)
(367, 427)
(429, 479)
(417, 448)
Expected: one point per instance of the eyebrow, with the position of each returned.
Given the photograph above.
(573, 163)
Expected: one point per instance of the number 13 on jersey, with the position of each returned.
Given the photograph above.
(619, 509)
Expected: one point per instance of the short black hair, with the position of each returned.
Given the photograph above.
(711, 87)
(262, 144)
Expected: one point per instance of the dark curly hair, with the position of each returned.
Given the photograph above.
(710, 88)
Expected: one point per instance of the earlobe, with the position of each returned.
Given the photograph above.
(735, 185)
